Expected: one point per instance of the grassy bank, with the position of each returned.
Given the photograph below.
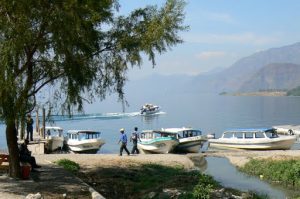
(283, 172)
(152, 181)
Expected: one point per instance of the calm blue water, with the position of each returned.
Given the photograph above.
(210, 113)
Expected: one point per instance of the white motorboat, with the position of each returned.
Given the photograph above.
(84, 141)
(190, 140)
(255, 139)
(149, 109)
(54, 138)
(157, 142)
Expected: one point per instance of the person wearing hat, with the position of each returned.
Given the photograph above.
(29, 125)
(123, 141)
(134, 139)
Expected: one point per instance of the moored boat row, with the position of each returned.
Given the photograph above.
(178, 140)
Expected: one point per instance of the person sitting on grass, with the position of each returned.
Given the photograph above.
(25, 155)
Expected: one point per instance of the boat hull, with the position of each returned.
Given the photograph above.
(158, 146)
(149, 112)
(282, 143)
(190, 145)
(54, 143)
(85, 146)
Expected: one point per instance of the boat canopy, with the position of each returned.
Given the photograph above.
(251, 130)
(156, 134)
(83, 132)
(54, 128)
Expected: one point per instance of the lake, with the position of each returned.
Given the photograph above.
(210, 113)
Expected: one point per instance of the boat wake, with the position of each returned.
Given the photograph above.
(101, 116)
(158, 113)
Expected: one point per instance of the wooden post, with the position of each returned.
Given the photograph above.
(44, 122)
(37, 127)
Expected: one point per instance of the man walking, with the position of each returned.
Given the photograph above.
(134, 139)
(123, 140)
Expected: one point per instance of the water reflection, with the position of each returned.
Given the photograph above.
(199, 161)
(149, 119)
(229, 176)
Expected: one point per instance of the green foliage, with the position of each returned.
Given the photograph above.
(68, 165)
(204, 187)
(285, 172)
(58, 54)
(154, 175)
(294, 92)
(79, 46)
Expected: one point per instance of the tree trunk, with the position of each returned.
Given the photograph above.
(12, 144)
(22, 129)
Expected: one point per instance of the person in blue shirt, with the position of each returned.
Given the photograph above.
(123, 141)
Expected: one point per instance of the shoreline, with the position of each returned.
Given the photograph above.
(189, 161)
(97, 165)
(239, 158)
(258, 93)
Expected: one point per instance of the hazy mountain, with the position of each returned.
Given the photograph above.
(235, 77)
(276, 68)
(274, 76)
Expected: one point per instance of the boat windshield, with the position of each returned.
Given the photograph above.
(259, 135)
(86, 136)
(54, 132)
(271, 134)
(228, 135)
(248, 135)
(191, 133)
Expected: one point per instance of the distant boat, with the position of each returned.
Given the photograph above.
(84, 141)
(157, 142)
(149, 109)
(255, 139)
(190, 140)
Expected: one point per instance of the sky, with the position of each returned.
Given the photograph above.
(222, 32)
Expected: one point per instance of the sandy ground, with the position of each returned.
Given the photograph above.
(90, 161)
(236, 157)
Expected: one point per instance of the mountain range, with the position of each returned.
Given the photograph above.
(272, 69)
(276, 68)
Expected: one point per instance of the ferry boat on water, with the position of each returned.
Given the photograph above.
(149, 109)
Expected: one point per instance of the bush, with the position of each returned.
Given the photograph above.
(204, 187)
(68, 165)
(285, 172)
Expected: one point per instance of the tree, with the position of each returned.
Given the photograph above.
(80, 47)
